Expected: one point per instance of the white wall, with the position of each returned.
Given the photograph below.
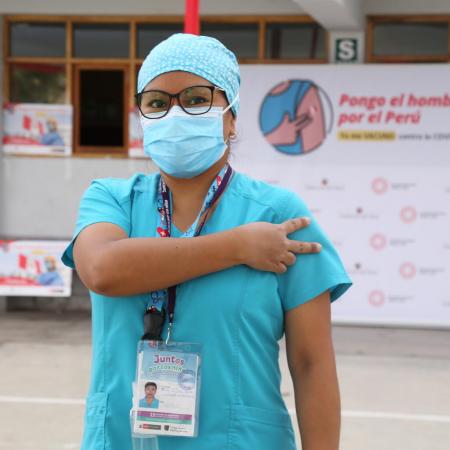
(42, 194)
(147, 7)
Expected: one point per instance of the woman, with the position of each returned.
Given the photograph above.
(239, 286)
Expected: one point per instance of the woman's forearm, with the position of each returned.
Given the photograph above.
(318, 407)
(135, 265)
(112, 264)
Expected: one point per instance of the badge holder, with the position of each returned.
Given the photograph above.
(166, 392)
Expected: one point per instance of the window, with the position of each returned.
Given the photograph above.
(148, 35)
(37, 83)
(396, 38)
(101, 108)
(136, 76)
(295, 41)
(101, 40)
(408, 39)
(37, 39)
(242, 39)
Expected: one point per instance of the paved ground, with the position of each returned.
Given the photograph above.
(395, 384)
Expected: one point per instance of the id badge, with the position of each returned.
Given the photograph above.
(166, 389)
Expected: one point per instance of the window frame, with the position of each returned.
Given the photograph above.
(373, 20)
(133, 62)
(79, 149)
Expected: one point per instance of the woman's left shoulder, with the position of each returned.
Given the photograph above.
(284, 201)
(122, 188)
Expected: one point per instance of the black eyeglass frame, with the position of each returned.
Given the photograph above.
(138, 97)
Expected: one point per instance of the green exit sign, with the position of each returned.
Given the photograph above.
(346, 50)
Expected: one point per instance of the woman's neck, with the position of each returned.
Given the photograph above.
(188, 194)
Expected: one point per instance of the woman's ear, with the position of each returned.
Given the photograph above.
(232, 134)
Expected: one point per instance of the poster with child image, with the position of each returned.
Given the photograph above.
(33, 268)
(37, 129)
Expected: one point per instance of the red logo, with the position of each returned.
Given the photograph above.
(380, 185)
(162, 232)
(378, 241)
(408, 214)
(377, 298)
(408, 270)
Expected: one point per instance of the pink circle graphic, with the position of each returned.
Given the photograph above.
(377, 298)
(407, 270)
(380, 185)
(408, 214)
(378, 241)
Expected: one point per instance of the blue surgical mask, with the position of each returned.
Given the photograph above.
(184, 145)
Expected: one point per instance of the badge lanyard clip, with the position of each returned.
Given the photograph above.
(153, 324)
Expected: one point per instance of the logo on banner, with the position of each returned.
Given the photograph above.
(380, 185)
(296, 116)
(408, 270)
(377, 298)
(408, 214)
(378, 241)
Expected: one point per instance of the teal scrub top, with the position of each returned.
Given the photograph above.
(237, 314)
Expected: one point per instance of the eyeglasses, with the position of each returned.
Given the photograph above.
(194, 100)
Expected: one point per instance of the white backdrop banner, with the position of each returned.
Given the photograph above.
(368, 149)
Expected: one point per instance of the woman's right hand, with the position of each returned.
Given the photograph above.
(266, 246)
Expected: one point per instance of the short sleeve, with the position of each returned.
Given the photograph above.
(100, 203)
(311, 274)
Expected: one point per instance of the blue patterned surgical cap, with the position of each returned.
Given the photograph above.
(201, 55)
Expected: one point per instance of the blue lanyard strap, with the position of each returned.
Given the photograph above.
(164, 230)
(165, 211)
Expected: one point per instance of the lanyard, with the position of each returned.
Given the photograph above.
(154, 317)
